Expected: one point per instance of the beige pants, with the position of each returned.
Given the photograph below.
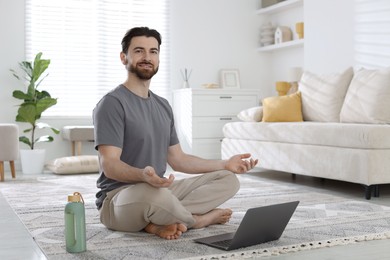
(132, 208)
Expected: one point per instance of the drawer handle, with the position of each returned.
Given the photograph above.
(225, 97)
(226, 118)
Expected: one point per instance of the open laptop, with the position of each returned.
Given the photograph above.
(259, 225)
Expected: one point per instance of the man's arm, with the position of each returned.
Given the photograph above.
(114, 168)
(180, 161)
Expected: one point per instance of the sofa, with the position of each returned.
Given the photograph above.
(336, 126)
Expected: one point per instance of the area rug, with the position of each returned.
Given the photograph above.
(321, 220)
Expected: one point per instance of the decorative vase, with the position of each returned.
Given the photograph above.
(186, 84)
(32, 161)
(282, 87)
(299, 27)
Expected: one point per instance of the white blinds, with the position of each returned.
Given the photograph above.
(82, 38)
(372, 48)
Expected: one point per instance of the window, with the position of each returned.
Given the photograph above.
(82, 38)
(372, 49)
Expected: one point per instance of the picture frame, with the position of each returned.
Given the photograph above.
(230, 78)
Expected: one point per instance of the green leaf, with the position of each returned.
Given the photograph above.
(25, 140)
(21, 95)
(26, 67)
(15, 74)
(42, 94)
(44, 104)
(40, 66)
(31, 89)
(27, 130)
(27, 113)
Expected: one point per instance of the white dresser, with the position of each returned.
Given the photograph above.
(201, 113)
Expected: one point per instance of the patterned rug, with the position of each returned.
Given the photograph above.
(321, 220)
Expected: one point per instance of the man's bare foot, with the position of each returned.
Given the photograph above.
(169, 232)
(216, 216)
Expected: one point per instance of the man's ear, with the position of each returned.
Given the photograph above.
(123, 58)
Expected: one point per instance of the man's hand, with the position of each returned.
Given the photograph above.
(240, 164)
(150, 176)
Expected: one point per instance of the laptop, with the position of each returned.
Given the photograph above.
(259, 225)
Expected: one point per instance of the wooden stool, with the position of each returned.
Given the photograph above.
(77, 135)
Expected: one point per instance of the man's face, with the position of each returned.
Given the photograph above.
(142, 57)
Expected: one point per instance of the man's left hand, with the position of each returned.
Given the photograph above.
(240, 163)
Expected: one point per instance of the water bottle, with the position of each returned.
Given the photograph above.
(75, 237)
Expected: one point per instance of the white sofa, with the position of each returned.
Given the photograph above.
(338, 129)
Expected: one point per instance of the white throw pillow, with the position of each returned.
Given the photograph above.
(74, 164)
(323, 95)
(253, 114)
(368, 98)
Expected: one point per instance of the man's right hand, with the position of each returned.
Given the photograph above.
(149, 176)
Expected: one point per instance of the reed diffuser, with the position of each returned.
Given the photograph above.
(186, 74)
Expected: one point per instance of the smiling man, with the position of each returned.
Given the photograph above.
(136, 138)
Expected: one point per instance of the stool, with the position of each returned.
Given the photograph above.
(9, 147)
(77, 135)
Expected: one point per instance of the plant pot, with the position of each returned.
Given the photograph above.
(32, 161)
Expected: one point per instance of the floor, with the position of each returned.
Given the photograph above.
(17, 243)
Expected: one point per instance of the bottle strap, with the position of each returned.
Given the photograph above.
(81, 196)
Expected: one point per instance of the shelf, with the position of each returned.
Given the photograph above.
(279, 7)
(284, 45)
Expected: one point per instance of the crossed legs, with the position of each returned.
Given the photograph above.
(169, 212)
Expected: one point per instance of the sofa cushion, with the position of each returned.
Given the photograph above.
(367, 99)
(323, 95)
(286, 108)
(253, 114)
(361, 136)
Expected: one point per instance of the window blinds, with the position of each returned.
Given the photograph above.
(372, 38)
(82, 38)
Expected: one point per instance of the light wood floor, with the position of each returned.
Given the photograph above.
(17, 243)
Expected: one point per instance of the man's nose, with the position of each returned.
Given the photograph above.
(147, 57)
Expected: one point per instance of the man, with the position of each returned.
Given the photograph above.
(135, 137)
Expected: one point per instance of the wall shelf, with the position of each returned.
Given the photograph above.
(284, 45)
(279, 7)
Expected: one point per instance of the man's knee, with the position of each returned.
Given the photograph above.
(130, 208)
(229, 180)
(233, 181)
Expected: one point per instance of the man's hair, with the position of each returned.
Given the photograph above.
(139, 31)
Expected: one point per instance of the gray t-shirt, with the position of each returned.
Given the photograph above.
(142, 127)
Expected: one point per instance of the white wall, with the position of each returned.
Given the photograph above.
(329, 35)
(11, 52)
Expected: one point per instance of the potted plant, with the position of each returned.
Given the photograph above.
(34, 103)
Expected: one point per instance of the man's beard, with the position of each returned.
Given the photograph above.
(143, 74)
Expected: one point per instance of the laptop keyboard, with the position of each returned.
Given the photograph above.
(223, 243)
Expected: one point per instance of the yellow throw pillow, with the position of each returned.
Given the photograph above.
(283, 108)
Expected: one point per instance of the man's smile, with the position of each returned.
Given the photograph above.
(145, 65)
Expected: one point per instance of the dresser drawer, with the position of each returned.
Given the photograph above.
(207, 148)
(210, 127)
(221, 105)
